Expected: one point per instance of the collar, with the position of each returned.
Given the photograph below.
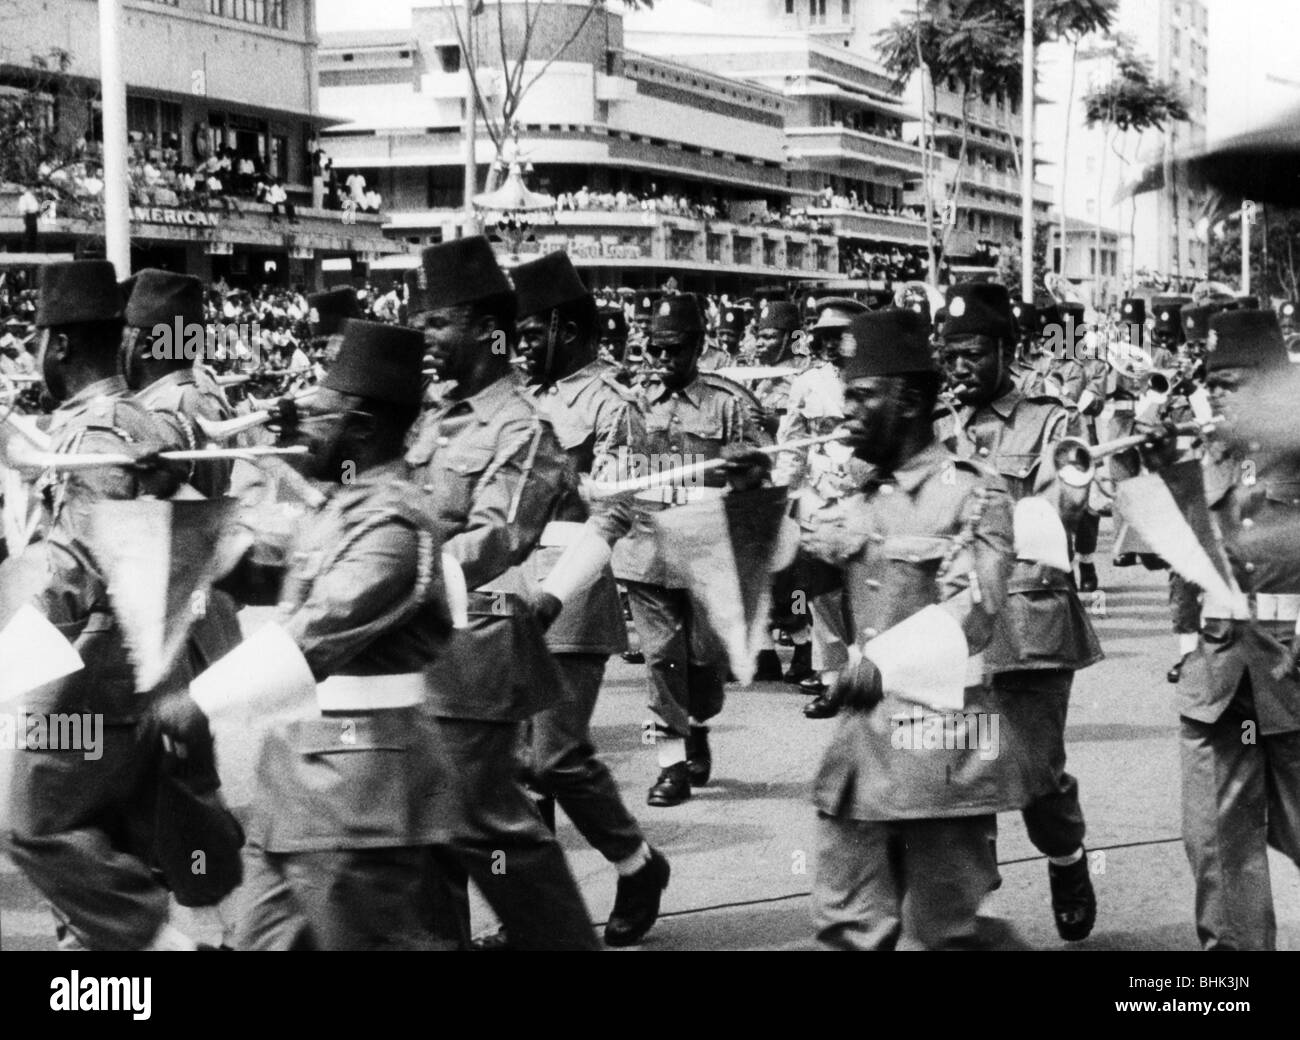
(573, 384)
(1004, 406)
(691, 392)
(385, 473)
(489, 401)
(113, 386)
(179, 377)
(913, 473)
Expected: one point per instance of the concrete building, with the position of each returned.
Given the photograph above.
(1163, 240)
(202, 75)
(663, 169)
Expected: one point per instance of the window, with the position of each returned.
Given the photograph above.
(789, 6)
(817, 12)
(449, 59)
(259, 12)
(846, 10)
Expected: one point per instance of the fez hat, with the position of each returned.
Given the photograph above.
(1025, 315)
(1133, 310)
(332, 309)
(378, 361)
(1244, 339)
(160, 297)
(645, 301)
(732, 319)
(781, 315)
(613, 325)
(1169, 320)
(1195, 322)
(890, 342)
(979, 309)
(1248, 303)
(77, 290)
(546, 283)
(678, 313)
(464, 270)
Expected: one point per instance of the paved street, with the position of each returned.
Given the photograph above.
(740, 849)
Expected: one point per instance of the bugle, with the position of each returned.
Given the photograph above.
(224, 430)
(1075, 460)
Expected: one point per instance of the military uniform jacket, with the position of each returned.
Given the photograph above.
(1254, 498)
(362, 595)
(1044, 626)
(178, 398)
(903, 543)
(494, 475)
(598, 422)
(101, 419)
(683, 426)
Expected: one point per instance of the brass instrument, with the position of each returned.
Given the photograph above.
(228, 429)
(1075, 460)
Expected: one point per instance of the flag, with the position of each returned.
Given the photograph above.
(723, 551)
(159, 559)
(923, 659)
(1170, 512)
(32, 653)
(1150, 177)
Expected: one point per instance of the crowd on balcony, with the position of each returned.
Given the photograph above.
(896, 265)
(668, 204)
(828, 198)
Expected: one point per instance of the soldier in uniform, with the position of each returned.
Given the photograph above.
(494, 474)
(599, 424)
(325, 317)
(1240, 712)
(613, 335)
(690, 418)
(347, 797)
(81, 828)
(1043, 635)
(780, 336)
(905, 841)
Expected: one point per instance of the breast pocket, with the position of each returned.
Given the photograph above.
(913, 570)
(700, 434)
(452, 479)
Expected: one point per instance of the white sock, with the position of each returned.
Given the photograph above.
(1067, 861)
(1187, 643)
(634, 862)
(1084, 557)
(804, 635)
(829, 677)
(671, 751)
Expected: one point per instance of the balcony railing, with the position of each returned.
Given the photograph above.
(839, 140)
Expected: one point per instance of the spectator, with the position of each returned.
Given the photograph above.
(277, 197)
(29, 208)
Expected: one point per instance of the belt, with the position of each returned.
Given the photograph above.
(370, 692)
(1257, 606)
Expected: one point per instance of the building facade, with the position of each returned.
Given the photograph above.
(203, 78)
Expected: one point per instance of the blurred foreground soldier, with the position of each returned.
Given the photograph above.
(349, 791)
(82, 827)
(1042, 635)
(598, 423)
(905, 837)
(328, 311)
(1239, 702)
(494, 475)
(163, 310)
(690, 419)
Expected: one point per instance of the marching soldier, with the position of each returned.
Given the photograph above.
(349, 792)
(780, 339)
(686, 417)
(494, 475)
(599, 424)
(613, 335)
(1240, 716)
(82, 828)
(905, 840)
(1043, 635)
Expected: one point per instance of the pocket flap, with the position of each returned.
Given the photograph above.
(915, 548)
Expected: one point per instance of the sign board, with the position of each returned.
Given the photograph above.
(175, 217)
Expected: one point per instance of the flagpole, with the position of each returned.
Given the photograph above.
(1027, 165)
(117, 215)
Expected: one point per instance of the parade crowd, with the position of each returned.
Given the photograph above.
(454, 547)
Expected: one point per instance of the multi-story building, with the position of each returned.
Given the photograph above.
(202, 76)
(662, 169)
(1163, 239)
(853, 129)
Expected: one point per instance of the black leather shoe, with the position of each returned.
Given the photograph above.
(1074, 903)
(767, 667)
(820, 707)
(1176, 672)
(672, 788)
(634, 657)
(1126, 560)
(800, 664)
(1087, 577)
(699, 759)
(813, 687)
(636, 906)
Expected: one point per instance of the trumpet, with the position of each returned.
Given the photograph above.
(1075, 460)
(283, 411)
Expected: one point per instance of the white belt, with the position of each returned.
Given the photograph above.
(1267, 607)
(560, 533)
(370, 692)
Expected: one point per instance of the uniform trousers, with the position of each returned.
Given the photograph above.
(1039, 700)
(682, 660)
(81, 831)
(905, 884)
(561, 761)
(494, 834)
(1239, 797)
(337, 899)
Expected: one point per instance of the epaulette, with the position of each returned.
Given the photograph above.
(731, 387)
(977, 468)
